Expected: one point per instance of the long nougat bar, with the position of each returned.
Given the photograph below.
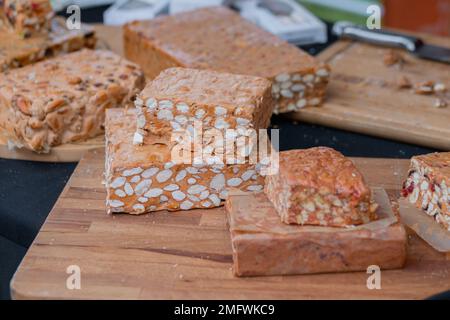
(16, 52)
(319, 186)
(179, 97)
(428, 185)
(144, 178)
(219, 39)
(26, 17)
(64, 99)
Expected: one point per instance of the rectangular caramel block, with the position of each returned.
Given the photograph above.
(26, 17)
(64, 99)
(263, 245)
(179, 97)
(428, 185)
(143, 178)
(16, 52)
(319, 186)
(218, 39)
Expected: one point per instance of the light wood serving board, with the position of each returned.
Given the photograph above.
(187, 255)
(363, 95)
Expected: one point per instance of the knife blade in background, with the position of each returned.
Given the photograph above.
(412, 44)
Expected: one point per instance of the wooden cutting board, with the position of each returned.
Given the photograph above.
(363, 95)
(187, 255)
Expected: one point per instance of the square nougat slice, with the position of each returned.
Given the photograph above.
(178, 97)
(319, 186)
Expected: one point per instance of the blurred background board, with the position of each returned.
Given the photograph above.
(364, 95)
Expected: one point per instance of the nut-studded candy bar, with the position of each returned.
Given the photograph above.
(179, 97)
(16, 52)
(27, 17)
(144, 178)
(219, 39)
(428, 185)
(319, 186)
(64, 99)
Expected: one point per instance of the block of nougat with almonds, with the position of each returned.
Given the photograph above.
(178, 97)
(262, 245)
(63, 99)
(16, 52)
(144, 178)
(319, 186)
(26, 17)
(428, 185)
(217, 38)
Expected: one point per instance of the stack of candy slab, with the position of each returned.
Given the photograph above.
(142, 174)
(292, 227)
(228, 44)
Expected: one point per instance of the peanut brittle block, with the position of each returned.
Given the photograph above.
(16, 52)
(218, 39)
(27, 17)
(178, 97)
(428, 185)
(319, 186)
(143, 178)
(63, 99)
(262, 245)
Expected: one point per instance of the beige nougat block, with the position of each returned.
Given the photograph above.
(144, 178)
(64, 99)
(428, 185)
(219, 39)
(179, 97)
(319, 186)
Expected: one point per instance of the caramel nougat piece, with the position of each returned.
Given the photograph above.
(63, 99)
(229, 44)
(428, 185)
(26, 17)
(319, 186)
(178, 97)
(16, 52)
(143, 178)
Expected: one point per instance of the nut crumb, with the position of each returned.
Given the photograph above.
(404, 83)
(426, 87)
(392, 57)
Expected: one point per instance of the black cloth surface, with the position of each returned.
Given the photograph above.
(28, 190)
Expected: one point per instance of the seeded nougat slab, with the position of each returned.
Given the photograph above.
(319, 186)
(16, 52)
(64, 99)
(26, 17)
(178, 97)
(143, 178)
(428, 185)
(218, 39)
